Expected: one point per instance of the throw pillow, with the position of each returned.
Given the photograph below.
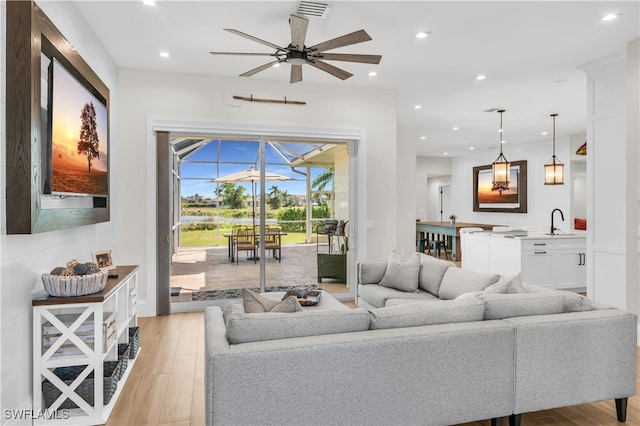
(500, 306)
(256, 302)
(457, 281)
(431, 272)
(427, 313)
(402, 274)
(507, 285)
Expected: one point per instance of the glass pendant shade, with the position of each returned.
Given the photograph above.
(554, 170)
(501, 168)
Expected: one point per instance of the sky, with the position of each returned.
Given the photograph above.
(198, 169)
(69, 97)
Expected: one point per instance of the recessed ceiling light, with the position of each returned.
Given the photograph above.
(149, 2)
(480, 77)
(372, 73)
(423, 137)
(446, 153)
(455, 128)
(503, 141)
(417, 106)
(422, 34)
(471, 148)
(610, 17)
(544, 133)
(164, 54)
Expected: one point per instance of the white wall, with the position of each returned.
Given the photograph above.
(23, 258)
(144, 95)
(612, 178)
(542, 199)
(406, 200)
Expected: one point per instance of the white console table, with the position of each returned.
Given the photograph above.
(81, 342)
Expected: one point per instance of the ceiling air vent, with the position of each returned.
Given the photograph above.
(313, 9)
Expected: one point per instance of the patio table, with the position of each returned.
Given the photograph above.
(231, 238)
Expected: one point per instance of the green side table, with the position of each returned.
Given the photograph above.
(332, 266)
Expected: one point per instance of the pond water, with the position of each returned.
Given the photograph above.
(223, 220)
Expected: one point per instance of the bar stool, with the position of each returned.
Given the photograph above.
(437, 245)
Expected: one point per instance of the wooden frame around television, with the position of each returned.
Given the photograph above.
(26, 25)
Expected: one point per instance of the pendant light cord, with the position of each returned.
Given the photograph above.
(554, 135)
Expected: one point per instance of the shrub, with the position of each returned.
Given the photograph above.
(300, 214)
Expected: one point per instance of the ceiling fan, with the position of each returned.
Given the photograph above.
(297, 54)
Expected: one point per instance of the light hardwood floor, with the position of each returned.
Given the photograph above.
(166, 386)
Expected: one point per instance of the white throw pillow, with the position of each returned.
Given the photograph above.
(402, 274)
(457, 281)
(507, 285)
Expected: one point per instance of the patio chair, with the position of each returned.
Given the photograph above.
(245, 241)
(327, 228)
(273, 241)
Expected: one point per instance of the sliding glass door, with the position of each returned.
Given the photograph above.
(259, 213)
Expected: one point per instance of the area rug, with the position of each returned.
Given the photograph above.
(236, 293)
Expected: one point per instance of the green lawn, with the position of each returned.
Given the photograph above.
(210, 238)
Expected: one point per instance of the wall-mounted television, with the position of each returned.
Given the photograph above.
(75, 119)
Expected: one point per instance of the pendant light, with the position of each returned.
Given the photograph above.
(501, 168)
(553, 171)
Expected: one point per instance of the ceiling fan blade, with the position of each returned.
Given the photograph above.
(260, 68)
(243, 54)
(335, 71)
(367, 59)
(256, 39)
(345, 40)
(296, 73)
(298, 31)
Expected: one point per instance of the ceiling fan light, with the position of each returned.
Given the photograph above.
(296, 61)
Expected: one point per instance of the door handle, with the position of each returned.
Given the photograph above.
(539, 252)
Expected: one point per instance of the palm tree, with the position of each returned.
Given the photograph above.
(320, 183)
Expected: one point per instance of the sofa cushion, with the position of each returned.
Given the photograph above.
(418, 314)
(256, 302)
(574, 302)
(396, 302)
(457, 281)
(377, 295)
(402, 274)
(371, 271)
(499, 306)
(507, 285)
(431, 272)
(243, 327)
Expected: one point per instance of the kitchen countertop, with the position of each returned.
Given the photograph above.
(532, 235)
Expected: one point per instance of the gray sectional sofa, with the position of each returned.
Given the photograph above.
(483, 355)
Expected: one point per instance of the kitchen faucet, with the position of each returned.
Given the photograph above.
(553, 228)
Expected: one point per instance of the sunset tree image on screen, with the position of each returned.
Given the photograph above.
(89, 143)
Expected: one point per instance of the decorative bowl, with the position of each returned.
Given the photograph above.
(74, 285)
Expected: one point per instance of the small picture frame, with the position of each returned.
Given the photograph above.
(104, 260)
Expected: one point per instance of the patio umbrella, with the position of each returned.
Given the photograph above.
(251, 175)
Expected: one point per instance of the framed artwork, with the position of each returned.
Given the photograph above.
(104, 260)
(490, 198)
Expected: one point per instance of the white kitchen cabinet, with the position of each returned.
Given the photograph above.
(81, 334)
(550, 261)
